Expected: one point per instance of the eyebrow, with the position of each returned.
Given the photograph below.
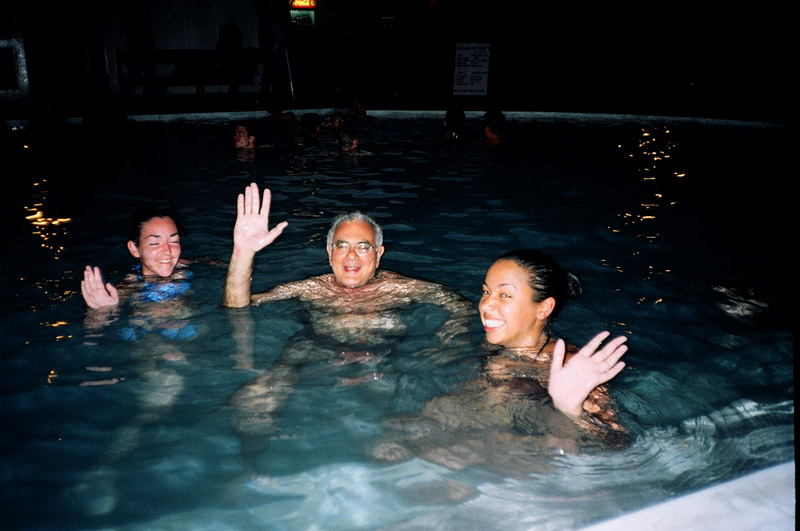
(158, 235)
(503, 285)
(361, 241)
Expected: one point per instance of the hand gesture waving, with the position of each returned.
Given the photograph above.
(96, 293)
(571, 383)
(251, 232)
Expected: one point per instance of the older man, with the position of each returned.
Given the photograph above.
(355, 311)
(355, 287)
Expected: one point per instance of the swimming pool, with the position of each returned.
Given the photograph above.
(675, 227)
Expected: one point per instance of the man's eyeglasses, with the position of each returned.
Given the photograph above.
(362, 249)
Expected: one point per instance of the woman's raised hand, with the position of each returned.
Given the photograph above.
(571, 382)
(96, 293)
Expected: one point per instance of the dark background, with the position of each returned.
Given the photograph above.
(669, 59)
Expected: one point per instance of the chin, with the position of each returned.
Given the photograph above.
(493, 341)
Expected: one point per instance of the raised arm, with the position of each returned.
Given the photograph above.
(574, 388)
(571, 382)
(250, 234)
(96, 293)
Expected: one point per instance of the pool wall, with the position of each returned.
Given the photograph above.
(761, 500)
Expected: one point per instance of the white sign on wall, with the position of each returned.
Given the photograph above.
(472, 69)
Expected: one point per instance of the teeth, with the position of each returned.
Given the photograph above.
(493, 323)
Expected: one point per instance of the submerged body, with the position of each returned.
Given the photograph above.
(504, 420)
(534, 395)
(355, 311)
(366, 314)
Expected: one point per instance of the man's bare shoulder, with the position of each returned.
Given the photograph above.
(308, 289)
(393, 277)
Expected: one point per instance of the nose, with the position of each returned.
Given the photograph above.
(485, 303)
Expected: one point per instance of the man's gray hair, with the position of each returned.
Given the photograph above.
(355, 215)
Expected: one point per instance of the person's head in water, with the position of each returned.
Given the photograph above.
(154, 239)
(523, 291)
(242, 138)
(454, 120)
(355, 247)
(337, 120)
(494, 126)
(310, 124)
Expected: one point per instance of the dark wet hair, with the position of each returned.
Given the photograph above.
(546, 277)
(247, 124)
(146, 214)
(495, 121)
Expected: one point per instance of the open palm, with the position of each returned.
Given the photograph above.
(251, 232)
(571, 382)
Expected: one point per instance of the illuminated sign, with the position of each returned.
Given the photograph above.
(304, 4)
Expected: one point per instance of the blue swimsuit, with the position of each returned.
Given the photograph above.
(159, 292)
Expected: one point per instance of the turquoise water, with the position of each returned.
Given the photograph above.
(675, 227)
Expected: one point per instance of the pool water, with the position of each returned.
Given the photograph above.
(676, 228)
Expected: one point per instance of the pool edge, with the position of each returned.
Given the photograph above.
(411, 114)
(761, 500)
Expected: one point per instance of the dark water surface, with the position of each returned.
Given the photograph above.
(677, 230)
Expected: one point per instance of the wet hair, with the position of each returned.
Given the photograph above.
(355, 215)
(247, 124)
(337, 114)
(495, 121)
(143, 216)
(546, 277)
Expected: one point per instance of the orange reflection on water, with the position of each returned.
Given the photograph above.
(652, 153)
(48, 228)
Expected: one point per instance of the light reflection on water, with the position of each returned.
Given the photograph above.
(643, 215)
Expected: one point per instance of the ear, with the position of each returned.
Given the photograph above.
(378, 254)
(133, 248)
(329, 248)
(546, 307)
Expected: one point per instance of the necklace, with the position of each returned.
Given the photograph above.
(546, 341)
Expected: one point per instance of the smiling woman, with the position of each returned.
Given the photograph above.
(154, 241)
(158, 246)
(521, 293)
(515, 407)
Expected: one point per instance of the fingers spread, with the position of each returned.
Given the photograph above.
(610, 349)
(558, 355)
(255, 198)
(265, 203)
(592, 345)
(613, 371)
(617, 354)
